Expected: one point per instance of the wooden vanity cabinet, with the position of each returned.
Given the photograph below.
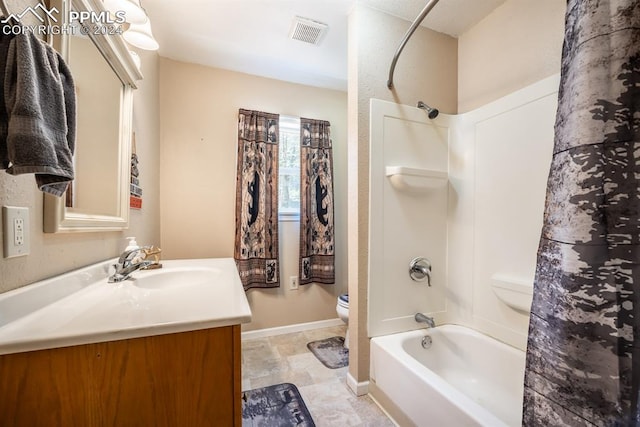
(182, 379)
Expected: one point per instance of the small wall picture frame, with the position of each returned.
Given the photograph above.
(135, 190)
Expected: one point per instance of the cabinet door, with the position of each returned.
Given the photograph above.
(190, 379)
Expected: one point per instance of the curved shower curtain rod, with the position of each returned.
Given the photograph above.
(406, 38)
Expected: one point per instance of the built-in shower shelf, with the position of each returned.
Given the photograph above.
(515, 292)
(414, 179)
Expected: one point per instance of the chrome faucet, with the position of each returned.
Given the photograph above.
(126, 265)
(421, 318)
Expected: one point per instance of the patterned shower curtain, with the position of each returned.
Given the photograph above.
(256, 240)
(317, 240)
(583, 355)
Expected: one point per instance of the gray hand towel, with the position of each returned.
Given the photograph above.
(4, 119)
(40, 101)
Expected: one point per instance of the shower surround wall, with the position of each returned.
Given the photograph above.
(499, 161)
(479, 227)
(408, 215)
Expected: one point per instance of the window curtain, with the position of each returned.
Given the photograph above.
(256, 238)
(583, 353)
(317, 240)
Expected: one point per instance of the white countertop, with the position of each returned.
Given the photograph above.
(80, 307)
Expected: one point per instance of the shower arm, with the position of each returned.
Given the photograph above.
(406, 38)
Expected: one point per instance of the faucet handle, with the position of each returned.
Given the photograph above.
(152, 253)
(420, 270)
(151, 250)
(124, 256)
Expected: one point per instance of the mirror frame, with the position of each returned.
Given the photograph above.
(57, 219)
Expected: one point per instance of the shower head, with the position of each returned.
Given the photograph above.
(431, 112)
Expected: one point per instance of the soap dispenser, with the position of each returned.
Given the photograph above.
(132, 244)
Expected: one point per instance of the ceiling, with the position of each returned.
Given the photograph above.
(251, 36)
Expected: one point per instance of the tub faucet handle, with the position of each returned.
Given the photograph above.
(420, 270)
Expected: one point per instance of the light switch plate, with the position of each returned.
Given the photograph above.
(16, 231)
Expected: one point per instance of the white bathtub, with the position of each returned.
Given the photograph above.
(464, 379)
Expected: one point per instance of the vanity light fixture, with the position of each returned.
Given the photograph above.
(140, 36)
(138, 33)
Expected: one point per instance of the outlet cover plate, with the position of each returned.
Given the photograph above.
(15, 229)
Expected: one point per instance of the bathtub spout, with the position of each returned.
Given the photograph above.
(421, 318)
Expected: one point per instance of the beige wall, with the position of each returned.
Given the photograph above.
(199, 113)
(53, 254)
(144, 223)
(426, 71)
(518, 44)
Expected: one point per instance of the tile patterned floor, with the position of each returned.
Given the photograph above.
(285, 358)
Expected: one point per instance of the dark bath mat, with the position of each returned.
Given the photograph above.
(277, 405)
(330, 352)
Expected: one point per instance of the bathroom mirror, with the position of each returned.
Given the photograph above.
(105, 76)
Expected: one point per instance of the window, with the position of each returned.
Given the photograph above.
(289, 167)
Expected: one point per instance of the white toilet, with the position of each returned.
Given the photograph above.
(342, 308)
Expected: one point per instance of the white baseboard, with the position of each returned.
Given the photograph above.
(359, 388)
(289, 329)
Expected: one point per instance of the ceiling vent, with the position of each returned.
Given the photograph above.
(307, 30)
